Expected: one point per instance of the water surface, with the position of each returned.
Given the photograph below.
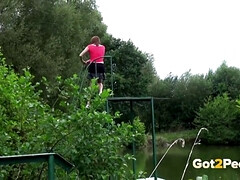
(173, 164)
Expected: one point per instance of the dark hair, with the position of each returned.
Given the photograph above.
(95, 40)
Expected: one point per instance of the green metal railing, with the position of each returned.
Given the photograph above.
(111, 64)
(50, 158)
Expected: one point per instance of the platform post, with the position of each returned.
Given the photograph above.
(153, 138)
(111, 74)
(51, 167)
(133, 143)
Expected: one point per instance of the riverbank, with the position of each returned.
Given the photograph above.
(166, 138)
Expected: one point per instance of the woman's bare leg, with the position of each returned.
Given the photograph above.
(100, 85)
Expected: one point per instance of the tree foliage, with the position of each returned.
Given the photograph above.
(189, 92)
(185, 95)
(133, 70)
(220, 116)
(225, 80)
(47, 35)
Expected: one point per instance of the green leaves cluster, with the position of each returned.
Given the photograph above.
(220, 116)
(23, 117)
(88, 137)
(132, 71)
(139, 132)
(20, 110)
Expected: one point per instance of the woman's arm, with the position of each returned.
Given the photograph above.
(83, 53)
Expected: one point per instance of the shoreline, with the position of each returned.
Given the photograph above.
(166, 138)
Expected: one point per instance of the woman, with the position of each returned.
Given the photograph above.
(96, 52)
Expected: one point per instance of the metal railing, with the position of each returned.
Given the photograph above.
(50, 158)
(111, 64)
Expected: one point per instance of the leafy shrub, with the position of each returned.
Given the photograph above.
(139, 132)
(221, 117)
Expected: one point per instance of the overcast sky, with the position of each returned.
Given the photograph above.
(181, 34)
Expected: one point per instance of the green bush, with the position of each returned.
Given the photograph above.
(139, 132)
(221, 117)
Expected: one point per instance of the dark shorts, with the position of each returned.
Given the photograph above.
(100, 72)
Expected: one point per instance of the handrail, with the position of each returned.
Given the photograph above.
(51, 158)
(94, 60)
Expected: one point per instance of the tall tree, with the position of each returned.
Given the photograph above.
(225, 80)
(133, 69)
(47, 36)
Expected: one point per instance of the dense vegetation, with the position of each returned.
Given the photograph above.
(88, 137)
(201, 101)
(42, 100)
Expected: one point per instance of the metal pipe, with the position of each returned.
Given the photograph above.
(133, 143)
(153, 138)
(51, 167)
(96, 67)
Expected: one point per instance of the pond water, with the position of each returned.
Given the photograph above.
(172, 166)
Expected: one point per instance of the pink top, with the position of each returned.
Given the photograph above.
(96, 52)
